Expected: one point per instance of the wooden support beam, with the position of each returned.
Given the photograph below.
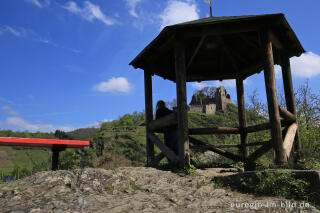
(275, 41)
(180, 70)
(232, 145)
(219, 146)
(289, 139)
(162, 122)
(290, 99)
(258, 127)
(257, 143)
(214, 130)
(288, 116)
(158, 158)
(194, 54)
(56, 149)
(149, 115)
(271, 90)
(216, 150)
(261, 151)
(242, 117)
(166, 150)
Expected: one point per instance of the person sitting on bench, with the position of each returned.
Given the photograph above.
(170, 132)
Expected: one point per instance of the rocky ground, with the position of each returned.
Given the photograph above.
(133, 189)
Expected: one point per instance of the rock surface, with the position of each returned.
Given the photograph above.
(133, 189)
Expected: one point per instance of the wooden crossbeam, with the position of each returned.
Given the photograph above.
(258, 127)
(158, 158)
(289, 138)
(214, 130)
(166, 150)
(216, 150)
(288, 116)
(195, 53)
(162, 122)
(259, 152)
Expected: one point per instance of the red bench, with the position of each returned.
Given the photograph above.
(55, 144)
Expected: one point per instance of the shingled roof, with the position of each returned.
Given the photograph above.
(218, 48)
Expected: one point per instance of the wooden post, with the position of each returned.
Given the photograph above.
(290, 99)
(180, 69)
(149, 115)
(271, 90)
(55, 156)
(242, 117)
(242, 123)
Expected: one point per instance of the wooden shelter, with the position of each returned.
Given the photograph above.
(219, 48)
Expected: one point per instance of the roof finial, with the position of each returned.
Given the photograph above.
(209, 2)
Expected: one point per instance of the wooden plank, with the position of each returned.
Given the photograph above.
(289, 139)
(216, 150)
(242, 117)
(214, 130)
(165, 121)
(40, 142)
(199, 45)
(166, 150)
(149, 115)
(272, 99)
(261, 151)
(180, 70)
(290, 99)
(288, 116)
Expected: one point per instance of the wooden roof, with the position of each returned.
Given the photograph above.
(218, 48)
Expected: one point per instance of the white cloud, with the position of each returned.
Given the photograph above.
(98, 123)
(120, 84)
(199, 85)
(306, 66)
(226, 83)
(13, 31)
(179, 11)
(39, 3)
(277, 70)
(89, 12)
(9, 110)
(131, 4)
(19, 123)
(5, 100)
(30, 34)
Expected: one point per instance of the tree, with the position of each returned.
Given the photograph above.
(256, 106)
(308, 106)
(61, 135)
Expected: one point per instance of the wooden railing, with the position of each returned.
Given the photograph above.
(288, 121)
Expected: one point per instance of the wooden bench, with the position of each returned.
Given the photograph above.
(55, 145)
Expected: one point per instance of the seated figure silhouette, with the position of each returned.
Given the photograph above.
(170, 132)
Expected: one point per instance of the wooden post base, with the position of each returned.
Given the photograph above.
(55, 156)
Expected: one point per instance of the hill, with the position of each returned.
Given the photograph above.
(122, 142)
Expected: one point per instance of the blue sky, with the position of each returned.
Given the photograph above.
(64, 64)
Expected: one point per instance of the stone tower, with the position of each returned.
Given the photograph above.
(222, 99)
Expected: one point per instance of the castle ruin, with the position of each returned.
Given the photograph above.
(210, 104)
